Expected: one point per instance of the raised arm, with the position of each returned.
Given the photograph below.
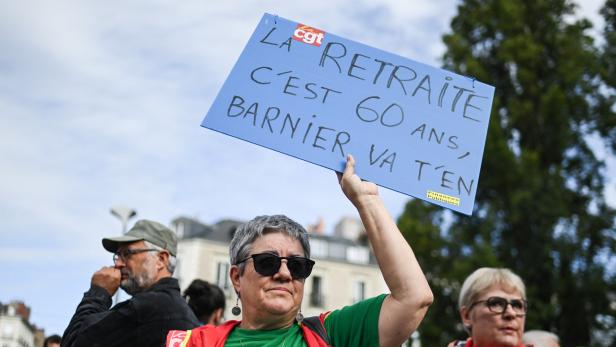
(403, 310)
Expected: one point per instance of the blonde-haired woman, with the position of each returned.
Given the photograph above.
(493, 308)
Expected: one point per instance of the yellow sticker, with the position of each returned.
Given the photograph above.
(452, 200)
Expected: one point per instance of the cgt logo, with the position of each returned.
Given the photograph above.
(309, 35)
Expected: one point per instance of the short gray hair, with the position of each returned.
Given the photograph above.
(248, 232)
(540, 338)
(486, 277)
(172, 259)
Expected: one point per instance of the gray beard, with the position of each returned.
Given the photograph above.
(135, 284)
(132, 286)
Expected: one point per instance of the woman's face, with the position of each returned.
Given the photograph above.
(489, 328)
(268, 301)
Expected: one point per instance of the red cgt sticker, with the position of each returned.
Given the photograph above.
(308, 34)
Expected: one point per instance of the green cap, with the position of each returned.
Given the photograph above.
(145, 230)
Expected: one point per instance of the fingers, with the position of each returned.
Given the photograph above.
(349, 169)
(107, 278)
(107, 271)
(350, 164)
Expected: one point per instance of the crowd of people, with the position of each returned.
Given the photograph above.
(270, 261)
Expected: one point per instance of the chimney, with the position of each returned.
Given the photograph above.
(317, 228)
(350, 228)
(17, 308)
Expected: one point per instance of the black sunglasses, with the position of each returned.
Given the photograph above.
(497, 304)
(268, 264)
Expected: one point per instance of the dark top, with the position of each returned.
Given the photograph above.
(144, 320)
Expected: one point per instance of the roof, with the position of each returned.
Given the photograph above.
(336, 247)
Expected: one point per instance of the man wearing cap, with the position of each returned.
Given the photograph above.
(144, 260)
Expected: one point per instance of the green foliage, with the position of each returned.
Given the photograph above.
(540, 207)
(607, 125)
(609, 53)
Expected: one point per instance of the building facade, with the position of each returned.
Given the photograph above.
(15, 329)
(345, 270)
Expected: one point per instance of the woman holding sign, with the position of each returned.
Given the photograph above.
(270, 258)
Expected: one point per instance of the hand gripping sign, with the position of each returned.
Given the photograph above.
(316, 96)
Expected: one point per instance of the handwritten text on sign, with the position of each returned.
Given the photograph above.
(310, 94)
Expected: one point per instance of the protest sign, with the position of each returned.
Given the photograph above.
(316, 96)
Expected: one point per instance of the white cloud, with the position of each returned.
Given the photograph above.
(589, 9)
(112, 99)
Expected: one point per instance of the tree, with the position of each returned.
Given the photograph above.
(609, 51)
(608, 72)
(540, 208)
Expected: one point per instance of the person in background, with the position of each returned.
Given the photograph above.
(270, 261)
(52, 341)
(493, 308)
(540, 338)
(144, 260)
(206, 300)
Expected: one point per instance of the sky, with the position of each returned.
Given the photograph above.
(101, 104)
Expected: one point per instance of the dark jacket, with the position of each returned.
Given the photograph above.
(144, 320)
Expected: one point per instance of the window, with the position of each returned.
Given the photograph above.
(359, 291)
(318, 248)
(358, 255)
(316, 295)
(337, 251)
(179, 229)
(222, 276)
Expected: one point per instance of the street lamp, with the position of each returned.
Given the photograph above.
(124, 214)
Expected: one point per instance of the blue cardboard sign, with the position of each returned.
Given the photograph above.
(316, 96)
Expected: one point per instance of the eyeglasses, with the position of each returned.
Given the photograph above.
(497, 304)
(267, 264)
(127, 253)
